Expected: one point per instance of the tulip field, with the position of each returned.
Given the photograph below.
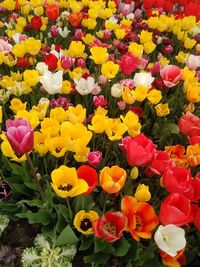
(100, 133)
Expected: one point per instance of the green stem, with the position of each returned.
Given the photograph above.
(69, 208)
(45, 165)
(105, 202)
(35, 176)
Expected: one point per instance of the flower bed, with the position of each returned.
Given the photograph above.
(100, 140)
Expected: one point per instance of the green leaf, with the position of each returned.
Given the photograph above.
(67, 236)
(98, 258)
(62, 214)
(170, 128)
(32, 203)
(83, 203)
(20, 188)
(7, 163)
(122, 246)
(153, 262)
(86, 242)
(100, 245)
(31, 185)
(42, 216)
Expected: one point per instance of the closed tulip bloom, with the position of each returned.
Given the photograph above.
(20, 135)
(176, 209)
(142, 193)
(112, 179)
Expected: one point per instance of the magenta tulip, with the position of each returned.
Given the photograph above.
(20, 135)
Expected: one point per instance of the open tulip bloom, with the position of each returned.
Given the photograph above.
(100, 132)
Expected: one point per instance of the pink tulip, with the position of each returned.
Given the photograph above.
(171, 75)
(67, 62)
(5, 47)
(193, 62)
(100, 101)
(20, 135)
(94, 158)
(54, 31)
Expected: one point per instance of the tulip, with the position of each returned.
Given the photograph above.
(51, 61)
(112, 179)
(94, 158)
(52, 83)
(110, 226)
(100, 101)
(177, 180)
(176, 209)
(144, 79)
(141, 217)
(83, 221)
(171, 75)
(89, 175)
(128, 63)
(170, 239)
(84, 86)
(66, 183)
(142, 193)
(20, 135)
(5, 47)
(67, 62)
(140, 150)
(161, 161)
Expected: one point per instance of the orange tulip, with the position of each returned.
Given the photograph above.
(75, 18)
(112, 179)
(141, 217)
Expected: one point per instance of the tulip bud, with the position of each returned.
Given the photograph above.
(94, 158)
(142, 193)
(134, 173)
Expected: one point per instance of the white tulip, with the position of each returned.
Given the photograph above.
(143, 78)
(52, 82)
(84, 86)
(41, 67)
(116, 90)
(170, 239)
(63, 32)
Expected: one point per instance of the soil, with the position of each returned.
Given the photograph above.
(14, 240)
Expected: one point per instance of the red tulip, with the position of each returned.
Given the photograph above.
(52, 12)
(148, 3)
(176, 209)
(161, 161)
(88, 174)
(189, 124)
(193, 193)
(171, 75)
(20, 135)
(36, 22)
(128, 63)
(177, 180)
(51, 60)
(110, 226)
(140, 150)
